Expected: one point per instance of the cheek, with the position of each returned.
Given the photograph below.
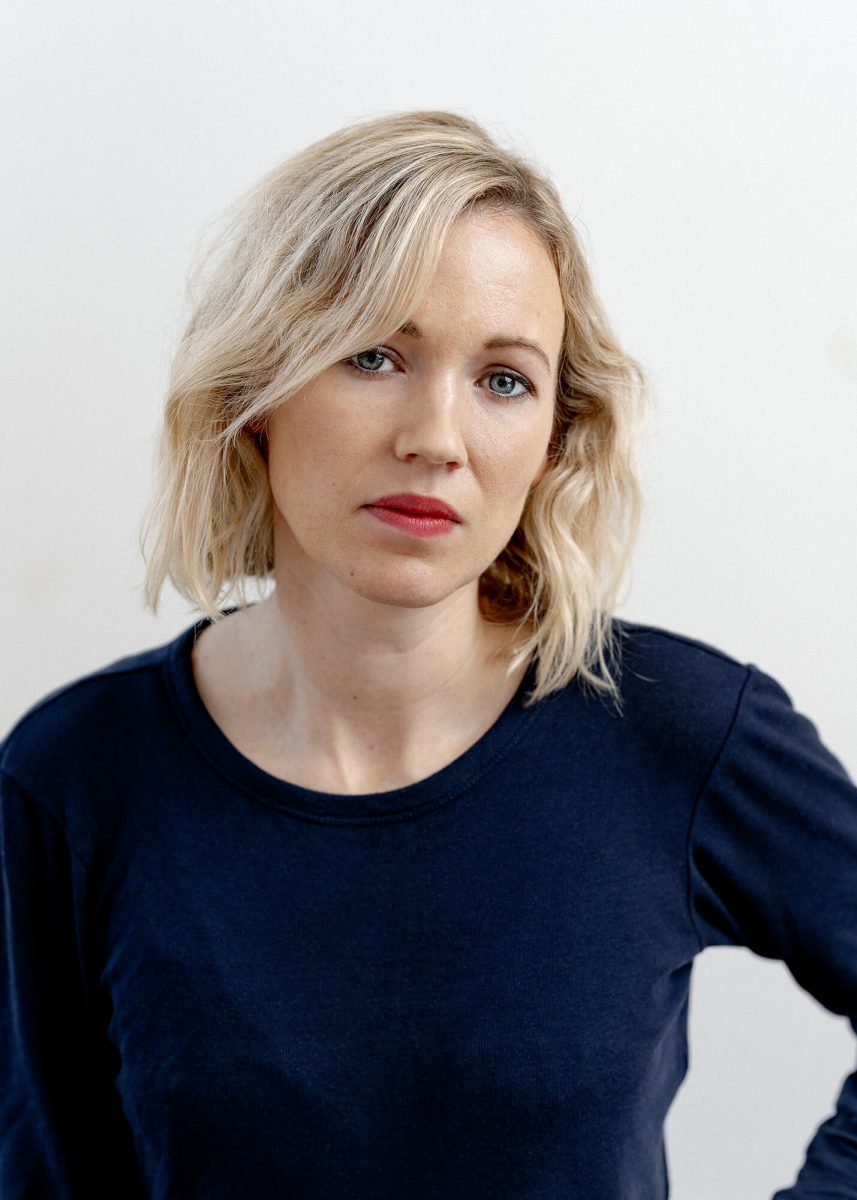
(318, 459)
(303, 441)
(515, 460)
(543, 470)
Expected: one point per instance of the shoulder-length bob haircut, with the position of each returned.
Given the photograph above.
(328, 255)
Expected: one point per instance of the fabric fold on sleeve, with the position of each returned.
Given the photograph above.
(63, 1135)
(772, 860)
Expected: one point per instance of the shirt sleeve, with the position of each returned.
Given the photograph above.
(63, 1135)
(773, 867)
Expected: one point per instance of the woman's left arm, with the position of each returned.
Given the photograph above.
(773, 866)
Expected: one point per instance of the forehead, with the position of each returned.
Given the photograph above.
(494, 268)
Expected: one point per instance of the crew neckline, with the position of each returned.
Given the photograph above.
(398, 804)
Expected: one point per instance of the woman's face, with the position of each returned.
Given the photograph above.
(435, 413)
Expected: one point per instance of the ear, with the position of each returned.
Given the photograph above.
(255, 429)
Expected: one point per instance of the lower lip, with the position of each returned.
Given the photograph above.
(416, 525)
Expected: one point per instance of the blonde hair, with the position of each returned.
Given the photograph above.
(331, 252)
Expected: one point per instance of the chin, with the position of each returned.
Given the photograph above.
(405, 588)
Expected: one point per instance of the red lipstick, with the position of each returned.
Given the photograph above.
(421, 516)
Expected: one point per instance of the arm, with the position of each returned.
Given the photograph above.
(63, 1135)
(773, 866)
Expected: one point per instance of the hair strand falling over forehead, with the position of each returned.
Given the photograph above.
(331, 252)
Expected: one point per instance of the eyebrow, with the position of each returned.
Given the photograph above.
(409, 329)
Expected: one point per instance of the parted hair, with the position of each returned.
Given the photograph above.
(329, 254)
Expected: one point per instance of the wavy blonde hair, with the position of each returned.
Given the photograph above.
(331, 252)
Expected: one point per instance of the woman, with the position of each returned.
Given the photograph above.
(389, 883)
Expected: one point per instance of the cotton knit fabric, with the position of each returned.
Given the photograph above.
(220, 985)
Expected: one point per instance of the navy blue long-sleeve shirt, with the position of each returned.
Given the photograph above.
(217, 984)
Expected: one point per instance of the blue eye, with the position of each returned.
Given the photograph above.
(373, 353)
(510, 378)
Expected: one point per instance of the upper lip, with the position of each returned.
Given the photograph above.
(422, 506)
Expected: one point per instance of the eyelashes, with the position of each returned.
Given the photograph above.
(500, 373)
(352, 362)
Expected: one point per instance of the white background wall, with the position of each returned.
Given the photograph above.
(707, 151)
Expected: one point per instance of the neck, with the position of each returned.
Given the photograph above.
(375, 692)
(391, 661)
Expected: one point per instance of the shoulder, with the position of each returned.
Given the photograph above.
(89, 719)
(679, 689)
(668, 655)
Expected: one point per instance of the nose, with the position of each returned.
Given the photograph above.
(430, 427)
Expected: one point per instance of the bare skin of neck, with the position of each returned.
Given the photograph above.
(349, 702)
